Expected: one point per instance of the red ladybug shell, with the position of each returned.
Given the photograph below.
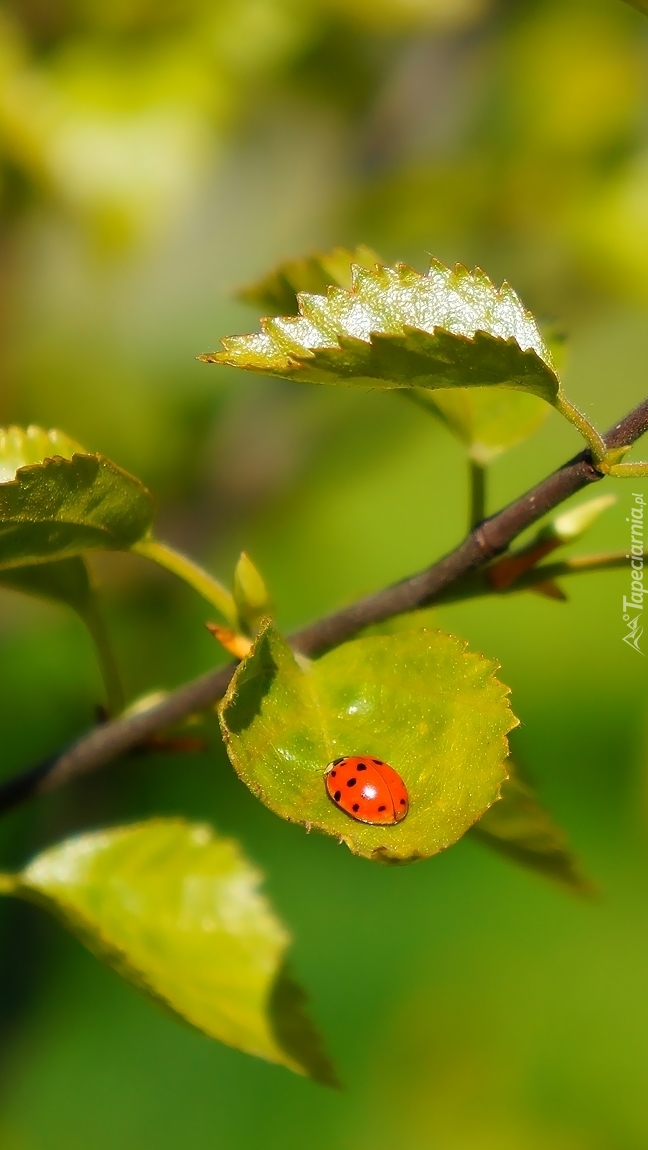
(367, 789)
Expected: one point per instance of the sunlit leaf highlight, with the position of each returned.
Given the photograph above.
(398, 328)
(21, 446)
(486, 420)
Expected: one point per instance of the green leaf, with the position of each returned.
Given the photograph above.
(295, 1032)
(486, 420)
(64, 504)
(397, 328)
(519, 827)
(65, 581)
(640, 5)
(417, 700)
(277, 293)
(177, 911)
(251, 595)
(20, 446)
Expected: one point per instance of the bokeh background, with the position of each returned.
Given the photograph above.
(153, 157)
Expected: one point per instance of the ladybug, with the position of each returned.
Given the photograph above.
(367, 789)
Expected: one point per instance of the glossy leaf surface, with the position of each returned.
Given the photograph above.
(276, 293)
(486, 420)
(418, 700)
(397, 328)
(66, 503)
(519, 827)
(178, 912)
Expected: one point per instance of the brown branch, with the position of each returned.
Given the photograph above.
(490, 538)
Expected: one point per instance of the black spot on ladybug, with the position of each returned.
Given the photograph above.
(378, 762)
(337, 796)
(361, 767)
(333, 774)
(356, 806)
(336, 762)
(382, 808)
(351, 782)
(402, 802)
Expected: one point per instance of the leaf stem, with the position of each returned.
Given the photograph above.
(587, 430)
(93, 619)
(423, 399)
(195, 576)
(477, 475)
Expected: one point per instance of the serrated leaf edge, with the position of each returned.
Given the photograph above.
(63, 461)
(453, 277)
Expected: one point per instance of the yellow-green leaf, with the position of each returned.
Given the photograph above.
(519, 827)
(486, 420)
(66, 502)
(417, 700)
(177, 911)
(294, 1031)
(20, 446)
(571, 524)
(276, 293)
(398, 328)
(251, 595)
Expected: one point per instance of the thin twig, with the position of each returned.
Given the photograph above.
(477, 477)
(490, 538)
(478, 584)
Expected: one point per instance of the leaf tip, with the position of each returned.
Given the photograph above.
(296, 1034)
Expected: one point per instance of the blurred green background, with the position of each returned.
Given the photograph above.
(153, 157)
